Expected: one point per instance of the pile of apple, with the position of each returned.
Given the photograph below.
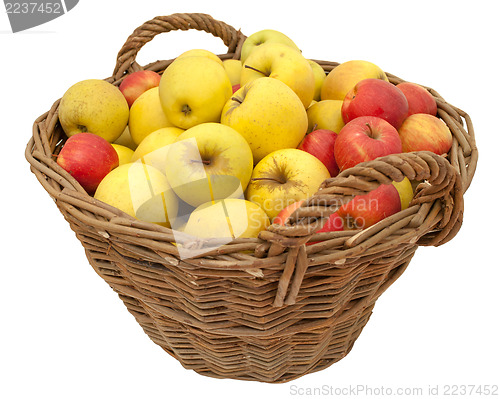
(224, 148)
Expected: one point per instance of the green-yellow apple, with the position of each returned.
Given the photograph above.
(153, 149)
(200, 52)
(284, 177)
(133, 85)
(319, 78)
(364, 139)
(227, 218)
(209, 161)
(424, 132)
(268, 114)
(325, 114)
(126, 139)
(375, 97)
(140, 190)
(146, 115)
(405, 190)
(193, 90)
(94, 106)
(345, 76)
(365, 210)
(124, 153)
(88, 158)
(420, 101)
(265, 36)
(233, 70)
(278, 61)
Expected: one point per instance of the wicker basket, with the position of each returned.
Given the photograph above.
(269, 309)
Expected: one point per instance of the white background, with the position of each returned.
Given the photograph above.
(65, 334)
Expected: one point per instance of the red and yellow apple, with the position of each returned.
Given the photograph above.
(424, 132)
(88, 158)
(420, 101)
(365, 210)
(321, 144)
(345, 76)
(285, 213)
(133, 85)
(375, 97)
(364, 139)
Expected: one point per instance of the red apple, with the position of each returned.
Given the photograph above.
(88, 158)
(365, 210)
(424, 132)
(321, 144)
(364, 139)
(133, 85)
(236, 88)
(334, 223)
(420, 101)
(285, 213)
(375, 97)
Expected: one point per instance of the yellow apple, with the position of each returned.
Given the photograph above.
(233, 70)
(279, 61)
(140, 190)
(193, 90)
(124, 153)
(146, 115)
(209, 161)
(227, 218)
(319, 77)
(405, 190)
(94, 106)
(126, 139)
(325, 114)
(268, 114)
(153, 149)
(345, 76)
(201, 52)
(284, 177)
(265, 36)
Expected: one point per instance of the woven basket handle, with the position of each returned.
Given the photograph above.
(433, 217)
(125, 61)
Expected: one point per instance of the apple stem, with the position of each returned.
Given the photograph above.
(370, 128)
(203, 161)
(254, 69)
(237, 100)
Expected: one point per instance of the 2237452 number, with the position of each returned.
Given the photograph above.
(32, 8)
(468, 390)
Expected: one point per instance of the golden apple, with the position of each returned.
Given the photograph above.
(200, 52)
(227, 218)
(94, 106)
(319, 77)
(140, 190)
(284, 177)
(126, 139)
(124, 153)
(193, 90)
(279, 61)
(153, 149)
(325, 114)
(209, 161)
(265, 36)
(405, 191)
(233, 70)
(345, 76)
(146, 115)
(268, 114)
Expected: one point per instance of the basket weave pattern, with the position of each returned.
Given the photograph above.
(269, 309)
